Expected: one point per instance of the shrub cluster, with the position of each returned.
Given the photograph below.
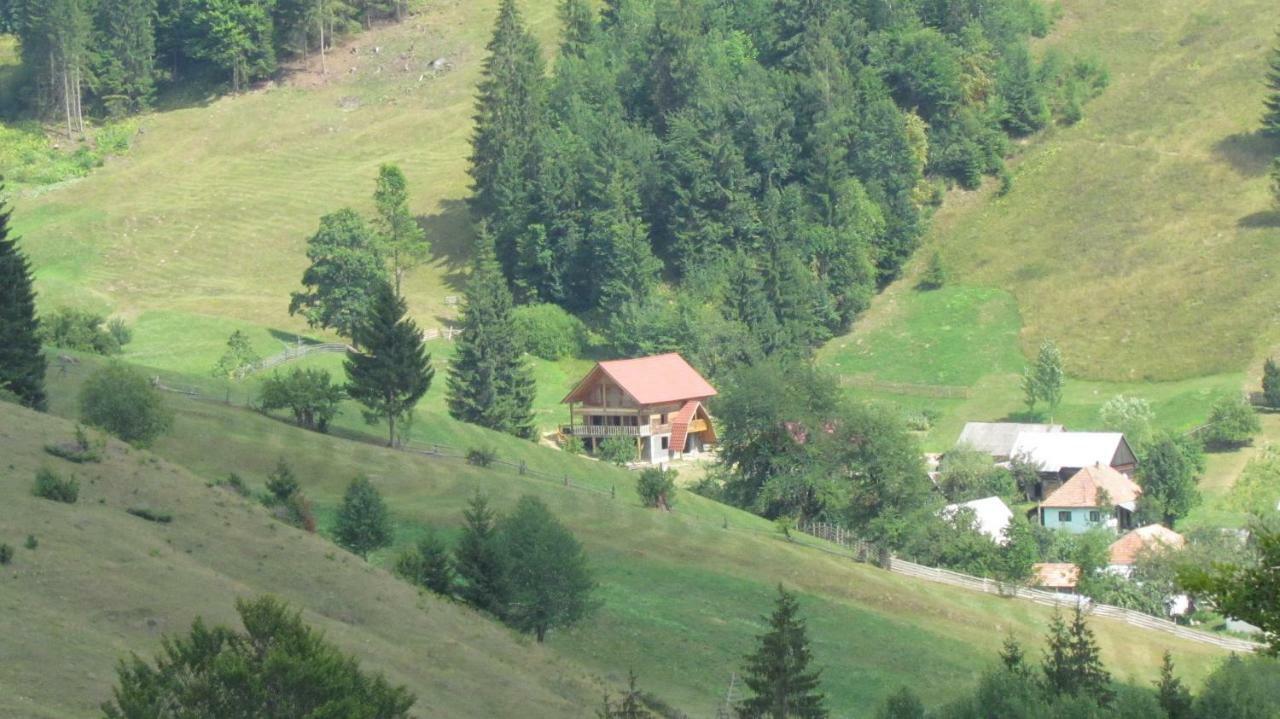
(84, 331)
(285, 499)
(548, 331)
(81, 450)
(121, 401)
(481, 456)
(49, 485)
(151, 515)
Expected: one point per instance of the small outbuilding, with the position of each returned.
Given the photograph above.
(991, 514)
(1124, 551)
(1056, 576)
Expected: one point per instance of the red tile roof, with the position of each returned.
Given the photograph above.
(651, 380)
(1055, 575)
(1082, 489)
(1125, 549)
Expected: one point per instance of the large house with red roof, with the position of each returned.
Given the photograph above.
(1097, 496)
(659, 402)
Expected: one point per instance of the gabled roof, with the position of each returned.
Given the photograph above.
(1083, 488)
(1055, 450)
(1055, 575)
(991, 513)
(997, 438)
(1125, 549)
(649, 380)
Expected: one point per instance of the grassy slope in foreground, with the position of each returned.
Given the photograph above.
(683, 592)
(1142, 238)
(103, 583)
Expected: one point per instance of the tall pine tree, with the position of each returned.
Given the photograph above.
(125, 66)
(778, 673)
(579, 30)
(509, 109)
(394, 370)
(22, 365)
(479, 559)
(490, 384)
(1271, 117)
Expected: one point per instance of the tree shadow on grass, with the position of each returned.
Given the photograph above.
(1263, 219)
(452, 237)
(292, 338)
(1249, 153)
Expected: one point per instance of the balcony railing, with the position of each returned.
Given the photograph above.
(609, 430)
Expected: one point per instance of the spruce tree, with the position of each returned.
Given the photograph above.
(1271, 384)
(579, 27)
(429, 565)
(1271, 117)
(509, 107)
(1073, 664)
(1173, 695)
(778, 672)
(363, 524)
(479, 559)
(547, 571)
(22, 365)
(125, 67)
(490, 383)
(394, 370)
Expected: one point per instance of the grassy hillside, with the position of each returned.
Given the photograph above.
(200, 229)
(682, 592)
(1141, 239)
(103, 583)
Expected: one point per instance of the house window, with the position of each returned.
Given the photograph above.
(666, 442)
(1064, 517)
(597, 420)
(664, 418)
(1095, 516)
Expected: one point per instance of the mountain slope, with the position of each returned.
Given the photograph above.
(682, 593)
(103, 583)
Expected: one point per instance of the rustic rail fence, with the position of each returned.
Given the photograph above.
(918, 390)
(299, 350)
(865, 551)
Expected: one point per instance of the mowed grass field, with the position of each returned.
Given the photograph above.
(1143, 240)
(201, 227)
(683, 592)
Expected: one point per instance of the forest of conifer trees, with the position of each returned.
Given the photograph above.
(734, 179)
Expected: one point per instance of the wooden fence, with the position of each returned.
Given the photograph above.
(293, 352)
(918, 390)
(865, 551)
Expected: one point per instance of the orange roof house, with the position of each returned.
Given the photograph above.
(1095, 496)
(658, 401)
(1125, 550)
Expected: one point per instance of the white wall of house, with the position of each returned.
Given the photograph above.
(1077, 520)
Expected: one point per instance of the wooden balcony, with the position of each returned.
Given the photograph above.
(609, 430)
(697, 425)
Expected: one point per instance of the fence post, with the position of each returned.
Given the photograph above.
(566, 480)
(613, 491)
(523, 467)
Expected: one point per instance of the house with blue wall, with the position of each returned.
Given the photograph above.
(1096, 496)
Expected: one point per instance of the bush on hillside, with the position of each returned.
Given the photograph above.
(119, 400)
(309, 393)
(481, 456)
(548, 331)
(657, 487)
(151, 515)
(428, 565)
(31, 542)
(6, 553)
(83, 331)
(234, 483)
(81, 450)
(49, 485)
(203, 674)
(617, 450)
(1232, 423)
